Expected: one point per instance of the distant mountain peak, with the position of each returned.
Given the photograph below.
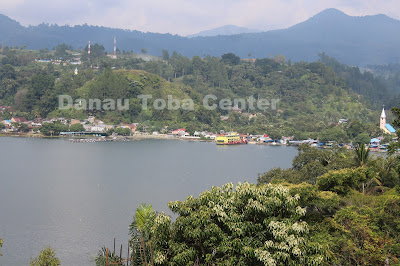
(333, 18)
(4, 18)
(224, 30)
(8, 26)
(331, 12)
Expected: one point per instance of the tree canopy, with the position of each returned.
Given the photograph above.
(47, 257)
(242, 225)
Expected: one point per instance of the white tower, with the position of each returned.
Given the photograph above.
(382, 124)
(88, 48)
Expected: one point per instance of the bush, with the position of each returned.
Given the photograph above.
(47, 257)
(342, 181)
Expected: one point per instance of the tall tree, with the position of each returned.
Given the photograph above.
(165, 55)
(362, 156)
(230, 58)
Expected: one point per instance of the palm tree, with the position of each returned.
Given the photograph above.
(101, 257)
(142, 222)
(385, 167)
(362, 156)
(140, 231)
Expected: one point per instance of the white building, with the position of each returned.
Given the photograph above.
(387, 128)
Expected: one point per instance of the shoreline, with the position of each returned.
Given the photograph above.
(139, 137)
(135, 137)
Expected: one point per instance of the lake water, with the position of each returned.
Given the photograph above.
(76, 197)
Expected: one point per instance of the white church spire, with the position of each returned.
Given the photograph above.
(382, 122)
(383, 115)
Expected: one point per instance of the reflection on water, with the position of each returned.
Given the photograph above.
(76, 197)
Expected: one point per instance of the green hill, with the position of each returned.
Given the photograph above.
(310, 97)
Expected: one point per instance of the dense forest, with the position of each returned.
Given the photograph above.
(311, 97)
(390, 76)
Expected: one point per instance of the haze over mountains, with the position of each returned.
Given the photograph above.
(352, 40)
(224, 30)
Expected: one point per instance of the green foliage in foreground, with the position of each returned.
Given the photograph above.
(354, 208)
(246, 225)
(140, 232)
(346, 214)
(142, 221)
(356, 229)
(342, 181)
(362, 155)
(101, 258)
(47, 257)
(367, 234)
(309, 164)
(364, 230)
(334, 207)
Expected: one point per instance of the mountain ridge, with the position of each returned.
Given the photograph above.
(352, 40)
(224, 30)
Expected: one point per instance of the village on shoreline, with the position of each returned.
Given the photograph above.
(94, 130)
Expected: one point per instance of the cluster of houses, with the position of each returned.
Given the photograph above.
(94, 125)
(4, 108)
(90, 124)
(181, 133)
(76, 60)
(261, 139)
(287, 141)
(10, 125)
(60, 62)
(268, 139)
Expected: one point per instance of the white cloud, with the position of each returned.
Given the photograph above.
(185, 16)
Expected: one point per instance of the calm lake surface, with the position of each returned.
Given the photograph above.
(76, 197)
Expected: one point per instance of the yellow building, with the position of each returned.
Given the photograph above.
(230, 139)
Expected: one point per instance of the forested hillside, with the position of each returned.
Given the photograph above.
(310, 98)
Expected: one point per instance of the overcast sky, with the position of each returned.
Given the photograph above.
(185, 17)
